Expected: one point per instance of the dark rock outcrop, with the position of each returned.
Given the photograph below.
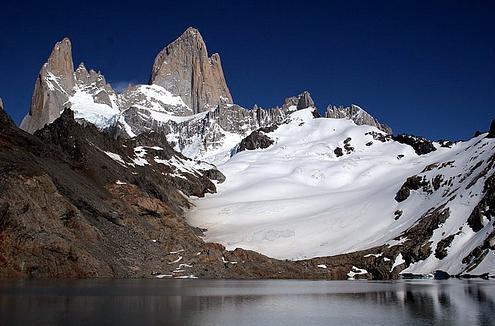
(485, 208)
(305, 101)
(347, 145)
(418, 247)
(256, 139)
(402, 194)
(443, 245)
(301, 101)
(421, 145)
(379, 136)
(491, 132)
(412, 183)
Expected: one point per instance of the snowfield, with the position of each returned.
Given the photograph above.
(85, 107)
(297, 199)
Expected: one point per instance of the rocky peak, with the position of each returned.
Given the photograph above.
(58, 86)
(81, 71)
(184, 69)
(95, 84)
(83, 76)
(52, 89)
(300, 101)
(60, 63)
(356, 114)
(305, 101)
(1, 104)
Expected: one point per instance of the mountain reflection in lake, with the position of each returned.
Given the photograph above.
(219, 302)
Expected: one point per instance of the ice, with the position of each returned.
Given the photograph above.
(84, 107)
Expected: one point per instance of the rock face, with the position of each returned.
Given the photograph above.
(301, 101)
(491, 132)
(184, 68)
(94, 83)
(58, 86)
(421, 145)
(356, 114)
(256, 139)
(184, 82)
(1, 104)
(220, 130)
(52, 89)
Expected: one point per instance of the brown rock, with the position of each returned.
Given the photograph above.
(184, 69)
(53, 86)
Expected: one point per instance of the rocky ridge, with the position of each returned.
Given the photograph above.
(188, 99)
(356, 114)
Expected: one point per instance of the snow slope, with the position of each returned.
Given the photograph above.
(86, 108)
(297, 199)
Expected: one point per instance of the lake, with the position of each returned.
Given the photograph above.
(264, 302)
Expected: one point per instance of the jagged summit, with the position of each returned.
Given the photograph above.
(356, 114)
(58, 86)
(300, 101)
(60, 62)
(184, 69)
(54, 83)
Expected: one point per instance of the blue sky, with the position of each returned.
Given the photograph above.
(423, 67)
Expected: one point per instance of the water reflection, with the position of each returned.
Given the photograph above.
(198, 302)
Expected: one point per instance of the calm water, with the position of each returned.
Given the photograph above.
(205, 302)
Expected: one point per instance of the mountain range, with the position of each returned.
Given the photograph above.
(173, 179)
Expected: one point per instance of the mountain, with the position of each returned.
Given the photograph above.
(184, 69)
(58, 86)
(332, 197)
(77, 203)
